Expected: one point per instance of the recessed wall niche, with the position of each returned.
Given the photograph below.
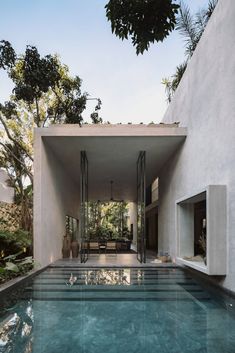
(201, 230)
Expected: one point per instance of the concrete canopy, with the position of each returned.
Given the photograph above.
(112, 152)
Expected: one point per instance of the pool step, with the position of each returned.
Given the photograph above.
(115, 295)
(81, 292)
(87, 288)
(115, 284)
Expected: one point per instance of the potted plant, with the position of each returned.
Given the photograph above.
(66, 246)
(74, 248)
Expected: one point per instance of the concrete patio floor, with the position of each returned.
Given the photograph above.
(111, 260)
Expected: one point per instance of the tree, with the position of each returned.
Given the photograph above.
(7, 55)
(144, 21)
(44, 93)
(45, 87)
(16, 157)
(107, 219)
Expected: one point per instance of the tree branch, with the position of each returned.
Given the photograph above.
(29, 174)
(38, 115)
(14, 140)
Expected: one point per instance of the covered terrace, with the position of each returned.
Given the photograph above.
(112, 152)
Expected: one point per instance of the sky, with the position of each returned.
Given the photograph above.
(128, 85)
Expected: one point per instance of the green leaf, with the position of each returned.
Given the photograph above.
(2, 270)
(26, 261)
(10, 266)
(13, 257)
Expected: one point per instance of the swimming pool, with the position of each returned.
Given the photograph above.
(127, 310)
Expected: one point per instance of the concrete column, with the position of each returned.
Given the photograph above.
(56, 195)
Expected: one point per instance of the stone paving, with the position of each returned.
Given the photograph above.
(111, 260)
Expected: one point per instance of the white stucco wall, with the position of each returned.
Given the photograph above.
(205, 104)
(56, 196)
(6, 192)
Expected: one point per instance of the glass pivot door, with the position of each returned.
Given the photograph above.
(141, 187)
(84, 207)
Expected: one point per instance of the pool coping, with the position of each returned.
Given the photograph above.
(16, 282)
(210, 281)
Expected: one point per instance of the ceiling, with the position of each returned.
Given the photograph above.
(112, 158)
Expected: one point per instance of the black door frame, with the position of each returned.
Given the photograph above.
(141, 196)
(84, 207)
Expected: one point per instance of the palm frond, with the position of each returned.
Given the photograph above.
(191, 28)
(168, 88)
(200, 20)
(185, 25)
(176, 78)
(211, 6)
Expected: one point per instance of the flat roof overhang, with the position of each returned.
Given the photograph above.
(112, 152)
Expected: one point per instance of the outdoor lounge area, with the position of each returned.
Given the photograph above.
(109, 246)
(108, 230)
(106, 246)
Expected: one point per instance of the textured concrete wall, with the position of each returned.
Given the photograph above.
(56, 196)
(205, 104)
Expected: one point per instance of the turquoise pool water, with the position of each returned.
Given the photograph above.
(117, 311)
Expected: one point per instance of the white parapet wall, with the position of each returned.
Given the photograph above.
(205, 103)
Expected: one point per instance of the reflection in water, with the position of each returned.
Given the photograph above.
(103, 276)
(17, 330)
(140, 276)
(177, 315)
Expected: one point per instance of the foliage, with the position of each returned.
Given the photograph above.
(172, 84)
(18, 244)
(15, 242)
(107, 220)
(191, 28)
(7, 55)
(11, 267)
(44, 91)
(10, 217)
(96, 119)
(33, 75)
(144, 21)
(16, 158)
